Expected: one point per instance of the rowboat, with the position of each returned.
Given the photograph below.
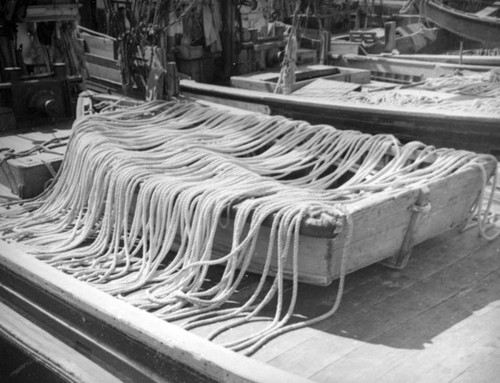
(415, 67)
(467, 58)
(482, 26)
(469, 130)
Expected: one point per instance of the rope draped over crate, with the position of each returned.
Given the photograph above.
(142, 190)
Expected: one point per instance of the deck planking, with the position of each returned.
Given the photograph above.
(427, 322)
(436, 320)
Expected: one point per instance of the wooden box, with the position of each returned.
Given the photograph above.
(338, 47)
(27, 176)
(307, 57)
(102, 46)
(266, 81)
(382, 228)
(103, 68)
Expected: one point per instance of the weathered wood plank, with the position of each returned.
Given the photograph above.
(485, 370)
(186, 349)
(428, 335)
(376, 306)
(49, 351)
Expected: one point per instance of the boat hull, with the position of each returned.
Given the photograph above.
(439, 128)
(467, 25)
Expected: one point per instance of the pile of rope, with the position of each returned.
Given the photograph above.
(142, 190)
(393, 97)
(483, 87)
(479, 84)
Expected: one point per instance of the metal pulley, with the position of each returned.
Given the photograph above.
(44, 102)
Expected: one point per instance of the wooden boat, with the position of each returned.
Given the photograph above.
(466, 59)
(482, 26)
(392, 67)
(129, 343)
(409, 38)
(118, 341)
(448, 298)
(472, 131)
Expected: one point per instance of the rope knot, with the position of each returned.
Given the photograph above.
(421, 208)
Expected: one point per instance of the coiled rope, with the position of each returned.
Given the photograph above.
(484, 87)
(141, 192)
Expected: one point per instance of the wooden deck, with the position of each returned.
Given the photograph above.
(434, 321)
(437, 320)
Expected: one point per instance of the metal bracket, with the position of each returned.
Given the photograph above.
(422, 205)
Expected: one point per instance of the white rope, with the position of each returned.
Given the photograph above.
(483, 87)
(143, 190)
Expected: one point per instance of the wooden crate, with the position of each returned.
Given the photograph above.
(28, 176)
(306, 57)
(266, 81)
(344, 47)
(106, 47)
(103, 68)
(363, 37)
(385, 228)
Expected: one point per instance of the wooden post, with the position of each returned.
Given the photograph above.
(228, 38)
(399, 261)
(325, 38)
(460, 59)
(172, 80)
(390, 36)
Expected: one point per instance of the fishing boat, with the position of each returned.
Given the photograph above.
(482, 26)
(414, 68)
(441, 126)
(467, 58)
(120, 341)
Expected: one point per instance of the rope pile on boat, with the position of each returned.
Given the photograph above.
(479, 84)
(483, 87)
(142, 191)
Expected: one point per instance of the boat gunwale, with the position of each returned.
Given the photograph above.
(264, 97)
(200, 355)
(463, 14)
(485, 29)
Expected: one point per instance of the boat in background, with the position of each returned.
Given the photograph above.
(482, 26)
(390, 67)
(321, 100)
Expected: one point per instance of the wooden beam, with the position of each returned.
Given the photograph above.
(47, 350)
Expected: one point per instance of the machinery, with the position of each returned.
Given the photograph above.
(40, 65)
